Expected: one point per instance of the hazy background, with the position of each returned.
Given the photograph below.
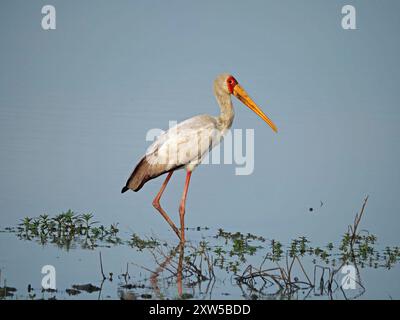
(76, 104)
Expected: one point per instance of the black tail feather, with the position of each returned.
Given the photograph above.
(124, 189)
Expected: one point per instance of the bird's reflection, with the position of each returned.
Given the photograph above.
(278, 278)
(166, 265)
(181, 248)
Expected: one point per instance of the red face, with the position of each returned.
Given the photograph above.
(231, 82)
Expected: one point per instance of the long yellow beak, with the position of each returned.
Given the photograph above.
(242, 95)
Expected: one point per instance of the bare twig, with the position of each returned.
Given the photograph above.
(353, 238)
(356, 222)
(302, 268)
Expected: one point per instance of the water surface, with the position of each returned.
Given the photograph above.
(76, 104)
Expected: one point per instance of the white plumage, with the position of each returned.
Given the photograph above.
(185, 144)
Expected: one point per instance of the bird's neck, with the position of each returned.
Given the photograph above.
(227, 114)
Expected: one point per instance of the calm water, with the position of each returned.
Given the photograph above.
(76, 104)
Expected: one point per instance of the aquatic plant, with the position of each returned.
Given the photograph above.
(66, 229)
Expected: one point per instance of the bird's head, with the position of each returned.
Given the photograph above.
(229, 85)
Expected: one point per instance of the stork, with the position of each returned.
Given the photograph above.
(186, 144)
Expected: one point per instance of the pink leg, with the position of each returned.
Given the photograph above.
(182, 206)
(156, 204)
